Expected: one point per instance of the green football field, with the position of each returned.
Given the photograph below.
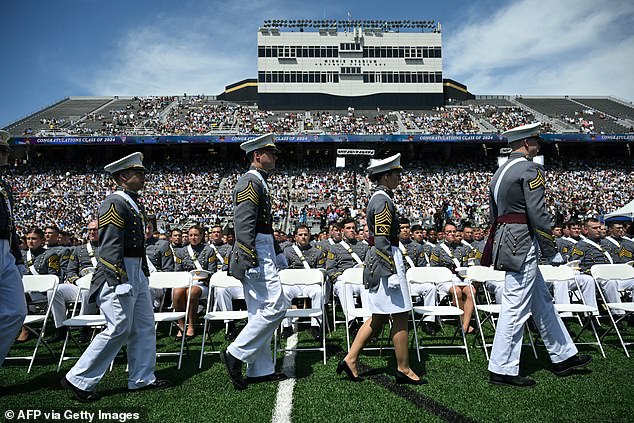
(458, 390)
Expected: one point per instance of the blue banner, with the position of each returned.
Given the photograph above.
(342, 138)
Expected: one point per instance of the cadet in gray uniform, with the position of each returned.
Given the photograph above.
(67, 292)
(302, 255)
(594, 250)
(521, 229)
(41, 261)
(414, 256)
(120, 287)
(52, 237)
(346, 254)
(160, 258)
(384, 275)
(12, 301)
(197, 256)
(252, 261)
(453, 254)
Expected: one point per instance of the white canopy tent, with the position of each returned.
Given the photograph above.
(624, 213)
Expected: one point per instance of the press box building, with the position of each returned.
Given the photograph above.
(330, 64)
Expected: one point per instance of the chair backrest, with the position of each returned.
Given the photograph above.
(222, 280)
(301, 276)
(610, 272)
(84, 282)
(39, 283)
(164, 280)
(484, 274)
(557, 273)
(435, 275)
(353, 276)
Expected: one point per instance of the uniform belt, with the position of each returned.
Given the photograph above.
(262, 228)
(487, 254)
(512, 218)
(133, 252)
(5, 234)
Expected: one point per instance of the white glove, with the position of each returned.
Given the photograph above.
(557, 260)
(253, 272)
(122, 289)
(393, 282)
(22, 269)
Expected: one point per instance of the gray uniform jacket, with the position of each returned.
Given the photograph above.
(621, 253)
(521, 191)
(588, 255)
(564, 247)
(160, 254)
(80, 259)
(45, 262)
(121, 234)
(477, 248)
(338, 259)
(440, 258)
(224, 250)
(315, 257)
(383, 224)
(415, 252)
(7, 227)
(252, 215)
(64, 254)
(183, 262)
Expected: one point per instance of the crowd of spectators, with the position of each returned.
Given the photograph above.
(183, 193)
(355, 122)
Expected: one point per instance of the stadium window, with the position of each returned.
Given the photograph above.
(439, 77)
(274, 51)
(403, 52)
(425, 77)
(370, 52)
(305, 77)
(437, 52)
(287, 77)
(311, 77)
(324, 52)
(425, 52)
(311, 51)
(408, 78)
(261, 52)
(401, 77)
(260, 76)
(268, 76)
(293, 76)
(274, 77)
(323, 77)
(419, 77)
(335, 78)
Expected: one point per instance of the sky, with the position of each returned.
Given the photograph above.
(55, 49)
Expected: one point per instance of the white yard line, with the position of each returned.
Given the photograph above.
(284, 400)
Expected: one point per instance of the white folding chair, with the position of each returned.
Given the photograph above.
(92, 321)
(438, 276)
(303, 277)
(563, 275)
(173, 280)
(37, 283)
(614, 272)
(219, 280)
(353, 276)
(483, 275)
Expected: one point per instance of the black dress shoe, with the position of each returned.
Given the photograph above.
(60, 335)
(234, 369)
(567, 366)
(429, 329)
(403, 379)
(287, 332)
(232, 332)
(518, 381)
(79, 394)
(273, 377)
(157, 384)
(315, 332)
(343, 367)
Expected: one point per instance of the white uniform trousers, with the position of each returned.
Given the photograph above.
(496, 288)
(311, 291)
(525, 294)
(347, 299)
(588, 292)
(428, 292)
(128, 312)
(225, 297)
(66, 293)
(12, 300)
(266, 308)
(610, 289)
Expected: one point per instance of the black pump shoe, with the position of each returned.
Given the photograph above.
(403, 379)
(343, 367)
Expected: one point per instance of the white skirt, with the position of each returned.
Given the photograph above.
(392, 300)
